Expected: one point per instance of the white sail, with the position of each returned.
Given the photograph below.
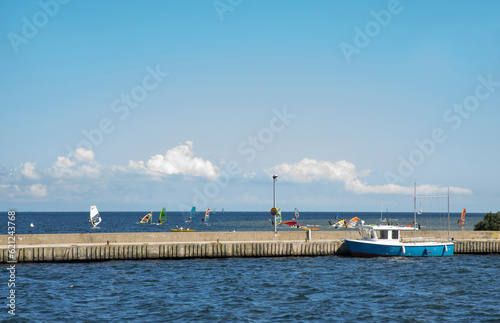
(95, 217)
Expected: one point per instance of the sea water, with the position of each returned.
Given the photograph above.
(462, 288)
(78, 222)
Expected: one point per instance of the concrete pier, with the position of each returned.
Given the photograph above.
(178, 245)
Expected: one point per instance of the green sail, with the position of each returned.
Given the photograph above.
(163, 216)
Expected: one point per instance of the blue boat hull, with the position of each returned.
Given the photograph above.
(361, 248)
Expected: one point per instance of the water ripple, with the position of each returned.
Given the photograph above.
(321, 289)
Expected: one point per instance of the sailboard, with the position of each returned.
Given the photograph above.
(181, 229)
(192, 214)
(148, 218)
(95, 217)
(339, 223)
(352, 222)
(461, 221)
(222, 212)
(296, 213)
(207, 216)
(163, 216)
(289, 223)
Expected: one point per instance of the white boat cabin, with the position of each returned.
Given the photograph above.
(382, 232)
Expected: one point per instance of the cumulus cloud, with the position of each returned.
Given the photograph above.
(64, 162)
(13, 191)
(82, 164)
(37, 190)
(84, 155)
(28, 170)
(178, 160)
(308, 170)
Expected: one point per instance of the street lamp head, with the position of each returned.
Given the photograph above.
(275, 176)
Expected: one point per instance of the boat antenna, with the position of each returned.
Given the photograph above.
(415, 207)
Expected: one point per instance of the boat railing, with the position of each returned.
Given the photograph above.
(424, 239)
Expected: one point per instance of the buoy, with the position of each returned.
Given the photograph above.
(32, 225)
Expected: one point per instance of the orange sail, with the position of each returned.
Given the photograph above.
(461, 222)
(352, 222)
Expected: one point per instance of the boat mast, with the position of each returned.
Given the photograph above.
(448, 213)
(415, 207)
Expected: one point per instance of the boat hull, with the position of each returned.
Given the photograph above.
(367, 248)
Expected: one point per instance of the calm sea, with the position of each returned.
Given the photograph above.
(462, 288)
(78, 222)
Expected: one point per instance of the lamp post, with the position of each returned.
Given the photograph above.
(274, 201)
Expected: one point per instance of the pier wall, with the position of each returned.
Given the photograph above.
(178, 245)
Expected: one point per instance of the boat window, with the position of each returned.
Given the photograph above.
(395, 234)
(383, 234)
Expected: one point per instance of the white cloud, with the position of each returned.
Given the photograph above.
(178, 160)
(308, 170)
(28, 170)
(80, 165)
(13, 191)
(64, 162)
(84, 155)
(136, 165)
(37, 190)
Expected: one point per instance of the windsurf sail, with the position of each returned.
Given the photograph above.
(339, 223)
(461, 221)
(207, 215)
(289, 223)
(420, 211)
(278, 216)
(352, 222)
(148, 218)
(297, 213)
(95, 217)
(192, 214)
(163, 216)
(222, 212)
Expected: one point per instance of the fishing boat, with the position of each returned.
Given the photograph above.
(206, 217)
(148, 218)
(95, 217)
(163, 216)
(384, 240)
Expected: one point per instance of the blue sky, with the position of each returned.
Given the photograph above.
(131, 105)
